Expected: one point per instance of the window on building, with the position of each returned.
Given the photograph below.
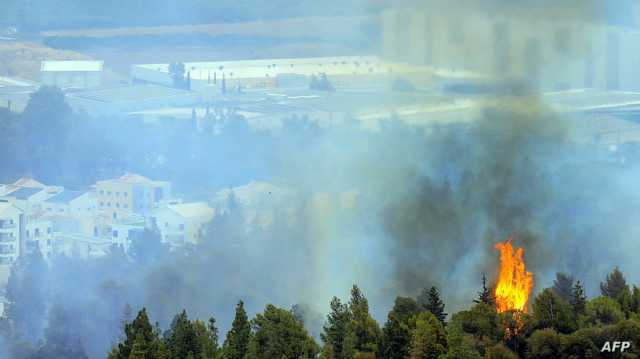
(101, 192)
(166, 224)
(95, 231)
(125, 194)
(27, 233)
(37, 232)
(48, 230)
(125, 205)
(181, 226)
(117, 204)
(49, 242)
(108, 204)
(49, 209)
(101, 204)
(117, 194)
(108, 193)
(115, 234)
(115, 215)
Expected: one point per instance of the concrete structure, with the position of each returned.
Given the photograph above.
(109, 101)
(211, 77)
(550, 52)
(71, 203)
(181, 223)
(12, 224)
(72, 74)
(130, 193)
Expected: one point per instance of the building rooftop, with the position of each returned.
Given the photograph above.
(5, 206)
(271, 68)
(65, 196)
(24, 193)
(71, 66)
(192, 210)
(28, 182)
(128, 93)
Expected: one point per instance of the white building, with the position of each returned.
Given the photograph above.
(130, 193)
(553, 52)
(11, 230)
(72, 74)
(181, 223)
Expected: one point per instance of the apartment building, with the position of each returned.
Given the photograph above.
(130, 193)
(11, 230)
(181, 223)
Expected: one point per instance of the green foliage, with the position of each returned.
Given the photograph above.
(544, 344)
(485, 296)
(614, 285)
(430, 301)
(563, 286)
(142, 340)
(603, 311)
(236, 345)
(183, 341)
(428, 337)
(62, 341)
(578, 299)
(337, 332)
(551, 311)
(396, 334)
(26, 292)
(365, 329)
(278, 334)
(499, 351)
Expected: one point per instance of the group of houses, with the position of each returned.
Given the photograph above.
(87, 223)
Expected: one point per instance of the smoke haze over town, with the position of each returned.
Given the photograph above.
(191, 155)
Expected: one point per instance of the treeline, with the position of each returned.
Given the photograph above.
(562, 324)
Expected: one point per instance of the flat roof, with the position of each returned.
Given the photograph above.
(128, 93)
(271, 68)
(71, 66)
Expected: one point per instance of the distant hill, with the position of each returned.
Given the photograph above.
(39, 15)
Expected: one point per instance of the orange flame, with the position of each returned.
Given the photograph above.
(514, 282)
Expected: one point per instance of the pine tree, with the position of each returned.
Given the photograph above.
(614, 285)
(485, 296)
(430, 301)
(278, 334)
(182, 340)
(337, 331)
(141, 335)
(396, 335)
(563, 286)
(578, 299)
(236, 344)
(364, 327)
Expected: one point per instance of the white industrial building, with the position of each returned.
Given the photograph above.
(551, 52)
(72, 74)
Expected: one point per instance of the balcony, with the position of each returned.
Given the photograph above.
(7, 225)
(6, 237)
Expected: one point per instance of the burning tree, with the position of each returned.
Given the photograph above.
(514, 282)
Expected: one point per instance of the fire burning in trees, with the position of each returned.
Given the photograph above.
(514, 282)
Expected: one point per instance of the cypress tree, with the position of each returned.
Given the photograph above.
(236, 344)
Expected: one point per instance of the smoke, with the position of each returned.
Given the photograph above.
(394, 209)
